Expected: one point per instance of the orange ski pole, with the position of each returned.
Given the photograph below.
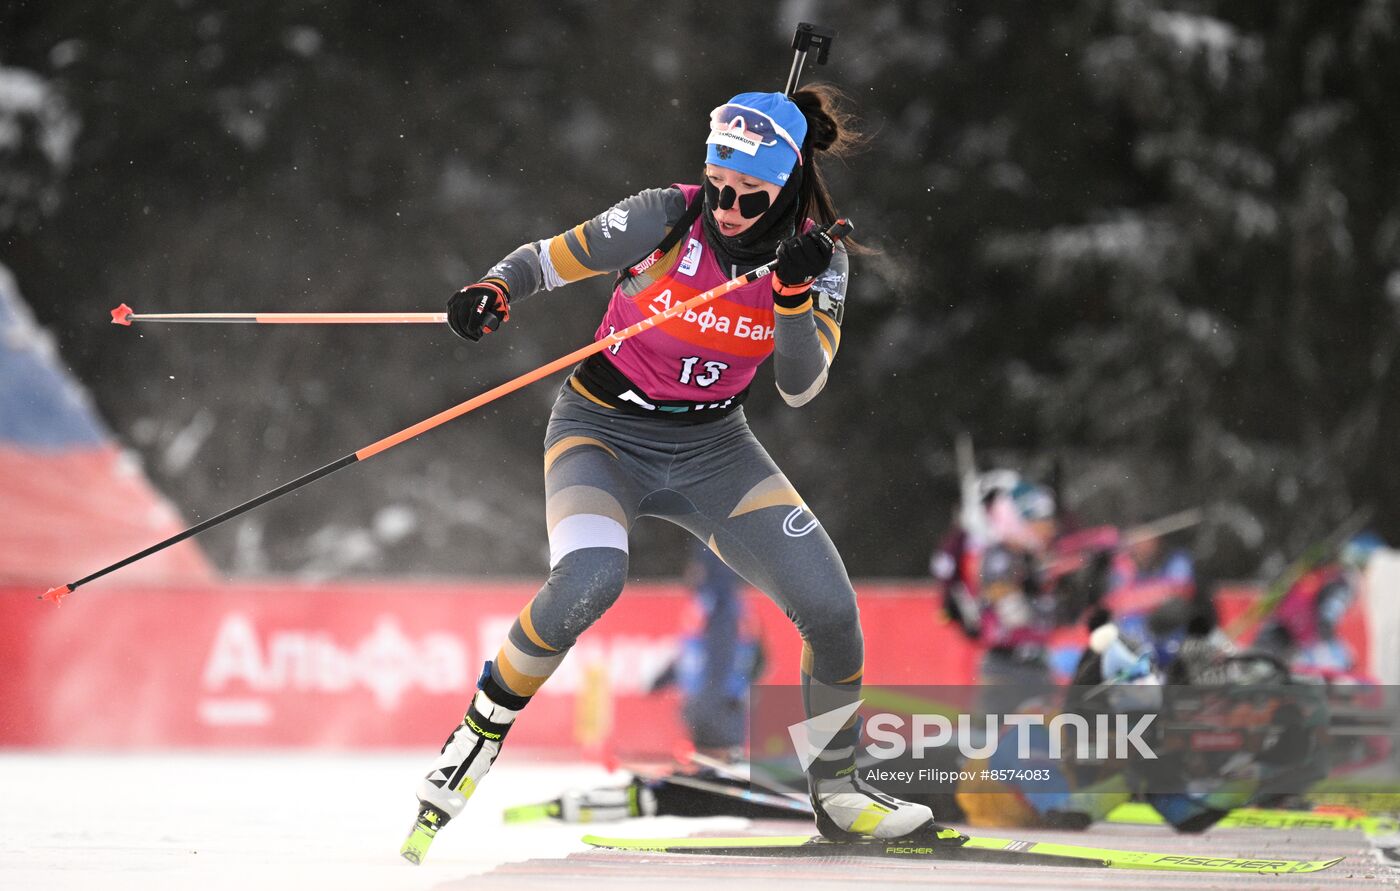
(837, 230)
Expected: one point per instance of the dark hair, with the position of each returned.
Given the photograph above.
(831, 133)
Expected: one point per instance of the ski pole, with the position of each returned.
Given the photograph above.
(125, 315)
(1317, 554)
(1134, 536)
(836, 230)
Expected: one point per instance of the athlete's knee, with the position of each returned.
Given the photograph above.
(581, 587)
(832, 615)
(598, 572)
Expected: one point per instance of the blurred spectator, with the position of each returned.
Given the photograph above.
(1302, 630)
(721, 655)
(954, 567)
(1017, 606)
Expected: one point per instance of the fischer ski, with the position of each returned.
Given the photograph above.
(948, 845)
(1267, 818)
(952, 846)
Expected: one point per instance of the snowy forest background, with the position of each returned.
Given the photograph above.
(1156, 242)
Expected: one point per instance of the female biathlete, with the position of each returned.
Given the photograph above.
(653, 427)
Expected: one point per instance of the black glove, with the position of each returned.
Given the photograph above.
(800, 260)
(478, 309)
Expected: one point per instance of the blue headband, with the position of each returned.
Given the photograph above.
(759, 134)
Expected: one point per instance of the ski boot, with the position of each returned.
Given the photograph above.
(607, 805)
(849, 809)
(465, 758)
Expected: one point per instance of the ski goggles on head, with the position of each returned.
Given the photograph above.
(748, 130)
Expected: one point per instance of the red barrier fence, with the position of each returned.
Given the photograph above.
(368, 665)
(384, 664)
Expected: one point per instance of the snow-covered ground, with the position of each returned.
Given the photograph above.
(78, 822)
(307, 822)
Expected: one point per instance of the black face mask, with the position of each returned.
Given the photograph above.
(751, 204)
(757, 243)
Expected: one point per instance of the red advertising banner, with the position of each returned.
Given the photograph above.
(374, 665)
(392, 664)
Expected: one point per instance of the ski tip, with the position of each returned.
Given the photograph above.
(1292, 867)
(56, 595)
(425, 827)
(415, 847)
(636, 845)
(122, 315)
(629, 844)
(1226, 865)
(1299, 866)
(528, 813)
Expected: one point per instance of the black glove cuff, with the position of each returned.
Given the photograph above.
(791, 296)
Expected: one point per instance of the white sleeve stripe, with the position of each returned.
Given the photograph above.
(551, 277)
